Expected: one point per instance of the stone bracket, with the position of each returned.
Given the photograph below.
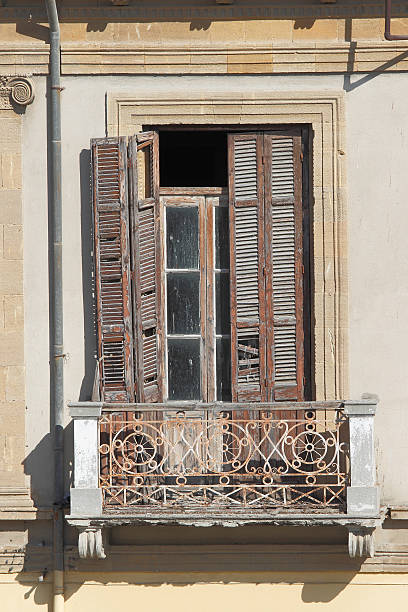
(361, 542)
(91, 544)
(15, 91)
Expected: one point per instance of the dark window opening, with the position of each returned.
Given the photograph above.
(193, 159)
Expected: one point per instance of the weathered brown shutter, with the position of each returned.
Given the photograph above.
(112, 269)
(146, 264)
(284, 265)
(246, 190)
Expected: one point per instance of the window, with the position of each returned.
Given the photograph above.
(196, 293)
(200, 294)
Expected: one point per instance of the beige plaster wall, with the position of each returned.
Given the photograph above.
(240, 592)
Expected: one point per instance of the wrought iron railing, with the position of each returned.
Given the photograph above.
(229, 456)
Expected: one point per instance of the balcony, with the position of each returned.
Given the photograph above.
(229, 464)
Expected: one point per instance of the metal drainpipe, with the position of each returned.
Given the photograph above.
(387, 33)
(57, 358)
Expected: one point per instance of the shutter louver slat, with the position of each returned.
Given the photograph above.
(247, 257)
(283, 177)
(143, 153)
(245, 164)
(246, 270)
(112, 270)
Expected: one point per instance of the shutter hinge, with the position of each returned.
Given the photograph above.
(301, 156)
(304, 382)
(303, 269)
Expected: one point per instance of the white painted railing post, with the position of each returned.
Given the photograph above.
(86, 495)
(363, 494)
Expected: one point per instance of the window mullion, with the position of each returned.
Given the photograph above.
(203, 296)
(210, 315)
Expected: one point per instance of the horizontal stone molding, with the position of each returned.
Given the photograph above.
(149, 561)
(166, 58)
(16, 504)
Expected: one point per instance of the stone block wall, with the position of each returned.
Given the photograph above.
(13, 490)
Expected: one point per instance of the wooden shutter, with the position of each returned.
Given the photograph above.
(284, 265)
(246, 190)
(112, 269)
(146, 264)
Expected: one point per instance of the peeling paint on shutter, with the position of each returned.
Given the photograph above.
(247, 264)
(112, 269)
(144, 192)
(284, 237)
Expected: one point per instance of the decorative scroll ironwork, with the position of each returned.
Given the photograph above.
(217, 459)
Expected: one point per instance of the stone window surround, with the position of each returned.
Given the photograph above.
(324, 112)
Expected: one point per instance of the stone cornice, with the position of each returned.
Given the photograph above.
(156, 12)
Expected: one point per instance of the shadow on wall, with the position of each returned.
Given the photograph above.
(182, 556)
(88, 285)
(361, 80)
(41, 593)
(314, 592)
(39, 466)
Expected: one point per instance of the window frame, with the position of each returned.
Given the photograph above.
(206, 222)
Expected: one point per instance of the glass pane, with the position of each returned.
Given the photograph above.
(184, 368)
(183, 302)
(222, 303)
(182, 237)
(221, 237)
(224, 370)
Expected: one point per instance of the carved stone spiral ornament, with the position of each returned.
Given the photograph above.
(15, 92)
(22, 92)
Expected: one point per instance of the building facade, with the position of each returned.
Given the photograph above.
(233, 365)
